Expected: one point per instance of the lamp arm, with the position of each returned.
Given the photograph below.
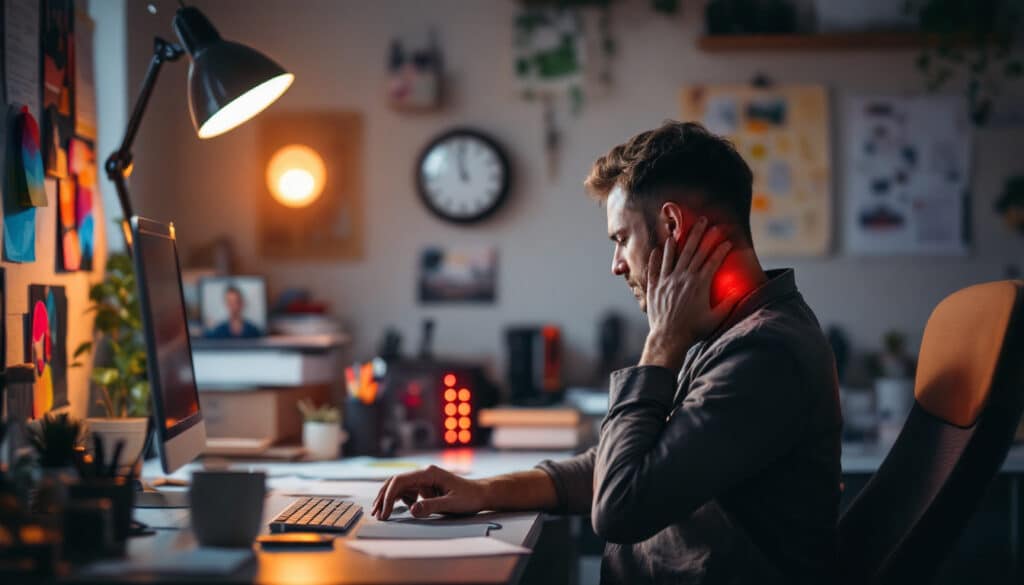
(119, 164)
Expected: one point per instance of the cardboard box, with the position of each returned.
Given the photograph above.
(260, 412)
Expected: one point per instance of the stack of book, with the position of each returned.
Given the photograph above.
(533, 428)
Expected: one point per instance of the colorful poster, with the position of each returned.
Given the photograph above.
(58, 70)
(19, 221)
(75, 223)
(69, 255)
(28, 161)
(783, 134)
(908, 175)
(46, 346)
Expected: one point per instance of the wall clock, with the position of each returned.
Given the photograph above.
(463, 176)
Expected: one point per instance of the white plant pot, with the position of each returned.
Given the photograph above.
(130, 430)
(321, 440)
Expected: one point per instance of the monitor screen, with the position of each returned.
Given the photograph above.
(170, 356)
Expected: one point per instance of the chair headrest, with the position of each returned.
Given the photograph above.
(961, 348)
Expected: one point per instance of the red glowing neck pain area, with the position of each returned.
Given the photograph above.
(730, 282)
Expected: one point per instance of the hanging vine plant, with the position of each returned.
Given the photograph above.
(974, 39)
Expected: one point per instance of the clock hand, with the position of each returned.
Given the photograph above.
(460, 158)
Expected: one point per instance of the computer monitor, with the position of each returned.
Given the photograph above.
(178, 419)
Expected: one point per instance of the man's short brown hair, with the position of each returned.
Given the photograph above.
(678, 161)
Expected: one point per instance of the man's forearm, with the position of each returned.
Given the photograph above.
(523, 490)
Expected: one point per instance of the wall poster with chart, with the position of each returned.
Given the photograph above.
(907, 162)
(783, 134)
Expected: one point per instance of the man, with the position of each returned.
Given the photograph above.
(718, 461)
(236, 325)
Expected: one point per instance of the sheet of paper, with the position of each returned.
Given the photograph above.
(19, 222)
(412, 529)
(296, 486)
(477, 546)
(21, 53)
(163, 518)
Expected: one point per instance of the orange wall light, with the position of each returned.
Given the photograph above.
(296, 175)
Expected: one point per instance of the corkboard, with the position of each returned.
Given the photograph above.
(332, 226)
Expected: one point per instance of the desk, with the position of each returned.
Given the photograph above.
(342, 565)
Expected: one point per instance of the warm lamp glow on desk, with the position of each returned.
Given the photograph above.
(229, 83)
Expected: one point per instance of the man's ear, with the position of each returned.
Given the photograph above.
(671, 215)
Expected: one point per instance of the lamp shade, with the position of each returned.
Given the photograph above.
(228, 83)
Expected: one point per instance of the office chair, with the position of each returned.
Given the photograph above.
(969, 398)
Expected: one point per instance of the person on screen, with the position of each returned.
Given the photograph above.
(236, 325)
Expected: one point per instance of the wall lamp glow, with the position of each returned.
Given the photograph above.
(228, 83)
(296, 175)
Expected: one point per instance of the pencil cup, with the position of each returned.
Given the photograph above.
(365, 426)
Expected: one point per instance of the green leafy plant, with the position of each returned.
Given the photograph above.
(54, 438)
(124, 387)
(970, 38)
(324, 413)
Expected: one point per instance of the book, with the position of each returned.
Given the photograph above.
(529, 417)
(557, 437)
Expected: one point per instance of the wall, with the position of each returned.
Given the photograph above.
(43, 271)
(554, 254)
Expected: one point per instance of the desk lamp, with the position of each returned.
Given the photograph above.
(228, 83)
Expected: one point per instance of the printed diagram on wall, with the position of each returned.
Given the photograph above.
(783, 134)
(46, 331)
(458, 274)
(907, 163)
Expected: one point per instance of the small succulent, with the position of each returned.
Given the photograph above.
(54, 438)
(325, 413)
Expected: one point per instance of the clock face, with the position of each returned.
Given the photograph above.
(463, 176)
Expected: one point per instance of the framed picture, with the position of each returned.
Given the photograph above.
(458, 275)
(233, 306)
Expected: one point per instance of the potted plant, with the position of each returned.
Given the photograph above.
(121, 381)
(321, 430)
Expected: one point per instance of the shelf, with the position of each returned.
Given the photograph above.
(867, 41)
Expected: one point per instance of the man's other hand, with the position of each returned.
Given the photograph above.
(442, 492)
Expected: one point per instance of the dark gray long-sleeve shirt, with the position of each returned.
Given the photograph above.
(729, 473)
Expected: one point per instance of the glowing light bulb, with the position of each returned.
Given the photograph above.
(296, 175)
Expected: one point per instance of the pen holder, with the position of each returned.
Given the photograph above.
(119, 491)
(367, 428)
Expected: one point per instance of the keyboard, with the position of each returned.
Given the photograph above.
(316, 514)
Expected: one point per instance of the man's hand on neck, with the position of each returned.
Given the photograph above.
(678, 295)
